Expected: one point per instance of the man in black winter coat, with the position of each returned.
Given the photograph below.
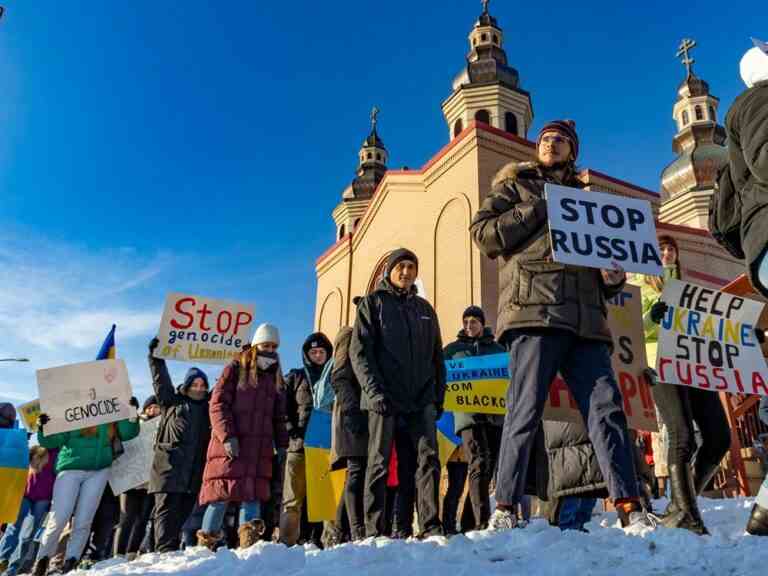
(300, 387)
(480, 433)
(397, 356)
(180, 448)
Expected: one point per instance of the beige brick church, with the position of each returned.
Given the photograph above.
(429, 210)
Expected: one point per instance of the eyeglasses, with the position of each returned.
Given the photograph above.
(554, 139)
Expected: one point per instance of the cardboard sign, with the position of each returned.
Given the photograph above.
(479, 384)
(14, 463)
(707, 340)
(83, 395)
(601, 230)
(29, 413)
(203, 330)
(133, 468)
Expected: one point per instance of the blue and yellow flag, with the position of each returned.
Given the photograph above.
(324, 487)
(107, 350)
(14, 462)
(447, 441)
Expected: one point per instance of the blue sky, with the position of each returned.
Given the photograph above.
(198, 146)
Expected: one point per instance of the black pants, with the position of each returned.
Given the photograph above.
(415, 436)
(481, 446)
(457, 478)
(135, 511)
(171, 511)
(354, 490)
(680, 407)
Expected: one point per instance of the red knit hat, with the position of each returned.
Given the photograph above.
(567, 128)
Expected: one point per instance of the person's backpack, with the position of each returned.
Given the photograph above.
(725, 213)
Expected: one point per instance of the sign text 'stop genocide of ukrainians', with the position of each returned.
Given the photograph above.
(707, 340)
(203, 329)
(601, 230)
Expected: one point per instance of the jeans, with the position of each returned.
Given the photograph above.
(18, 537)
(214, 515)
(575, 512)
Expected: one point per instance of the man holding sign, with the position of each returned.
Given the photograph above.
(552, 317)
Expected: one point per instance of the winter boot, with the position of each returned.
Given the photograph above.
(289, 527)
(69, 565)
(41, 566)
(758, 521)
(684, 511)
(251, 532)
(502, 520)
(210, 541)
(632, 515)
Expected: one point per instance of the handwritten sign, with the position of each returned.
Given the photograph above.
(133, 468)
(597, 230)
(29, 414)
(203, 329)
(83, 395)
(707, 340)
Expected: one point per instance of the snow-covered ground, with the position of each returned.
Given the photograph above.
(537, 550)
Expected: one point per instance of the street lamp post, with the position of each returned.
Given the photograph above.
(14, 359)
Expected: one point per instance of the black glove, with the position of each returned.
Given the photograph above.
(438, 411)
(760, 335)
(380, 406)
(651, 376)
(356, 423)
(42, 420)
(657, 311)
(154, 343)
(134, 402)
(295, 433)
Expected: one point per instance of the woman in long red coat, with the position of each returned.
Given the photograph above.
(248, 424)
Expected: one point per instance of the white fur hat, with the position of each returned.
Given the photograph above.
(754, 64)
(266, 333)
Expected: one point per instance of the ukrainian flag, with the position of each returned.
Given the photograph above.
(14, 462)
(107, 350)
(324, 487)
(447, 441)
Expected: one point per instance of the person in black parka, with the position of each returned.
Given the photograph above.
(180, 448)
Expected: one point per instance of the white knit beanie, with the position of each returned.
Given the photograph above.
(266, 333)
(754, 64)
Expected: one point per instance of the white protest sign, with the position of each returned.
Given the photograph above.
(707, 341)
(83, 395)
(203, 329)
(133, 468)
(595, 229)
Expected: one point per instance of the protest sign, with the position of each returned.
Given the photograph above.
(29, 413)
(14, 463)
(602, 230)
(133, 468)
(82, 395)
(707, 340)
(479, 384)
(203, 329)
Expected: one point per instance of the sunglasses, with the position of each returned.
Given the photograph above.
(554, 139)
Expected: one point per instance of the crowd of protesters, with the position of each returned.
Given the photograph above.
(229, 464)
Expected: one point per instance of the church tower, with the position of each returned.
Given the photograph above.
(687, 183)
(371, 167)
(488, 90)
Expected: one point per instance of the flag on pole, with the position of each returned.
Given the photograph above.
(107, 350)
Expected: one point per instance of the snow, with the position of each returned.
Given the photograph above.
(538, 549)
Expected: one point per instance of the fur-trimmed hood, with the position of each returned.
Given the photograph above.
(510, 171)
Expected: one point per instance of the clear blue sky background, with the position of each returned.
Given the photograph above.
(155, 146)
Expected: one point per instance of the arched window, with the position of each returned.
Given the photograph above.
(369, 156)
(342, 231)
(458, 127)
(483, 116)
(685, 118)
(495, 39)
(357, 223)
(510, 123)
(474, 42)
(699, 112)
(484, 37)
(712, 114)
(378, 157)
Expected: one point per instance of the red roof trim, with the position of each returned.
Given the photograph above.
(684, 229)
(332, 249)
(621, 182)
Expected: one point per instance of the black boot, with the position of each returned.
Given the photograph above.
(41, 566)
(683, 510)
(69, 565)
(757, 525)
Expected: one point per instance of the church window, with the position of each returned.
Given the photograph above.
(378, 157)
(699, 113)
(369, 156)
(495, 39)
(483, 116)
(458, 127)
(484, 37)
(342, 231)
(510, 123)
(357, 223)
(474, 42)
(685, 118)
(712, 115)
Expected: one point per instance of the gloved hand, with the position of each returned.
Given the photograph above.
(356, 423)
(651, 376)
(381, 406)
(134, 402)
(657, 311)
(232, 448)
(438, 411)
(42, 420)
(154, 343)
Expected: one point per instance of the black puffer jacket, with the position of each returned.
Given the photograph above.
(299, 385)
(747, 128)
(183, 434)
(464, 347)
(347, 404)
(535, 291)
(397, 351)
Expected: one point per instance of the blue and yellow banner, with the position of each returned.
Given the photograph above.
(14, 463)
(478, 384)
(447, 441)
(324, 487)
